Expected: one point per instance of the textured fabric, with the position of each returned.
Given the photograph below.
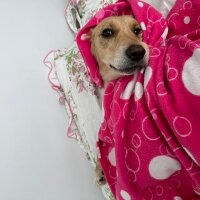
(149, 139)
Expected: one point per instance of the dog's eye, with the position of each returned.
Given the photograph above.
(137, 31)
(107, 33)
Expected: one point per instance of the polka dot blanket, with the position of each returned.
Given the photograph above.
(149, 140)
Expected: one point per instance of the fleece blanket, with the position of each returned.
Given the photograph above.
(149, 138)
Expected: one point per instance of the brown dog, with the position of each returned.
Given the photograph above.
(117, 45)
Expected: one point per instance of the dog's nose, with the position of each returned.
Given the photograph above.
(135, 52)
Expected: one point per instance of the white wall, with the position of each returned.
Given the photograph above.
(37, 160)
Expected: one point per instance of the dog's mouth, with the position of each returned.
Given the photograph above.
(129, 70)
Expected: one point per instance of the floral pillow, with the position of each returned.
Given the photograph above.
(68, 76)
(78, 12)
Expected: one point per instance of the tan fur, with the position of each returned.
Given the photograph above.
(110, 51)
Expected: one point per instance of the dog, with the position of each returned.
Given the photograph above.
(116, 44)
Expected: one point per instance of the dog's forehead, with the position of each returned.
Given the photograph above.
(118, 20)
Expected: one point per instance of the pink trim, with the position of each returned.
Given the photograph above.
(62, 97)
(50, 66)
(70, 133)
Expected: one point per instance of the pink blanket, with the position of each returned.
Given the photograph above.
(149, 141)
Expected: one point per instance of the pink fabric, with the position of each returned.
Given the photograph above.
(149, 141)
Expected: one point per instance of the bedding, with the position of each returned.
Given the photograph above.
(148, 140)
(68, 76)
(79, 12)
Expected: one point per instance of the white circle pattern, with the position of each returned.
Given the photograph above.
(191, 73)
(125, 195)
(162, 167)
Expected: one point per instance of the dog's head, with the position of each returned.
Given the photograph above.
(117, 45)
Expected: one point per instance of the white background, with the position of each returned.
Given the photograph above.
(37, 160)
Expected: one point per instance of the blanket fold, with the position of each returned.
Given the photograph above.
(149, 138)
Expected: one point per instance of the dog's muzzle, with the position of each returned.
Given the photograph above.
(134, 58)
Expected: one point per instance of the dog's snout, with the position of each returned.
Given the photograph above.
(135, 52)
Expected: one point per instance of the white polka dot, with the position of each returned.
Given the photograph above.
(140, 4)
(147, 98)
(139, 91)
(85, 36)
(122, 135)
(155, 117)
(162, 167)
(165, 33)
(143, 26)
(125, 195)
(147, 76)
(191, 73)
(182, 126)
(128, 90)
(142, 70)
(177, 198)
(111, 157)
(186, 20)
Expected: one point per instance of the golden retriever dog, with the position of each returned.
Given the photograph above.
(116, 43)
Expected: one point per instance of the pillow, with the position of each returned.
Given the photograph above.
(68, 76)
(78, 12)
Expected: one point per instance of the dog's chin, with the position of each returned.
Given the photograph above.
(129, 69)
